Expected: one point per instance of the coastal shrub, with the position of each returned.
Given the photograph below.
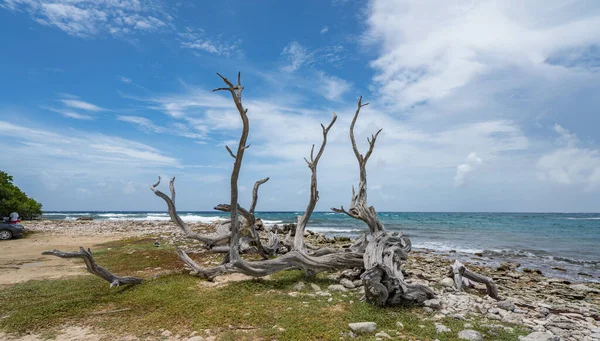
(12, 199)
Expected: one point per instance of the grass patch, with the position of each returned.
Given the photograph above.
(244, 310)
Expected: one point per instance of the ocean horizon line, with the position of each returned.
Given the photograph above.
(294, 211)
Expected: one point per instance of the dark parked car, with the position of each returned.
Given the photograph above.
(8, 231)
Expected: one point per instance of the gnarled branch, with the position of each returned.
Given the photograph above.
(94, 268)
(314, 193)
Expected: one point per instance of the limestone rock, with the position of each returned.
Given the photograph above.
(440, 328)
(433, 304)
(539, 336)
(347, 283)
(383, 335)
(337, 287)
(447, 282)
(363, 327)
(471, 335)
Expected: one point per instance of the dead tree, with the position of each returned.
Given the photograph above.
(299, 257)
(94, 268)
(381, 256)
(383, 279)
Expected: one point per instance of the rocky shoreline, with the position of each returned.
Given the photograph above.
(551, 308)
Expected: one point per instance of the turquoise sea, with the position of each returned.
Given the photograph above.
(563, 241)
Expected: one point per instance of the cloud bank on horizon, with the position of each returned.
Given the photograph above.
(485, 105)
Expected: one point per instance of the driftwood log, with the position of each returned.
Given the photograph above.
(94, 268)
(463, 278)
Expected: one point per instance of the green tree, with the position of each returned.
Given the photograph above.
(12, 199)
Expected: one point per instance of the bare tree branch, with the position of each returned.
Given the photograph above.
(255, 194)
(172, 188)
(314, 193)
(94, 268)
(236, 95)
(210, 240)
(230, 152)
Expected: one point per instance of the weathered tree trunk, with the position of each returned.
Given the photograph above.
(94, 268)
(383, 279)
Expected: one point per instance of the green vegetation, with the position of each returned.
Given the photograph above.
(12, 199)
(243, 310)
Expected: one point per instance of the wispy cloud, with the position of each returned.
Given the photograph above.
(69, 113)
(77, 104)
(125, 80)
(82, 147)
(89, 18)
(148, 126)
(198, 40)
(297, 56)
(324, 30)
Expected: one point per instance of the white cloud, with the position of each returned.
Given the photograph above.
(324, 30)
(333, 88)
(129, 188)
(430, 49)
(90, 18)
(126, 80)
(566, 138)
(569, 164)
(462, 171)
(77, 104)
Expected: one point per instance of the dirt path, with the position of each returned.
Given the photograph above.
(21, 259)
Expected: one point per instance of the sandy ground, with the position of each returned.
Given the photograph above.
(21, 259)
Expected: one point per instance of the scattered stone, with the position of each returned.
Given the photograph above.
(299, 286)
(400, 325)
(85, 218)
(584, 288)
(315, 287)
(433, 304)
(347, 283)
(479, 254)
(447, 282)
(330, 299)
(166, 333)
(539, 336)
(440, 328)
(196, 338)
(383, 335)
(470, 334)
(427, 310)
(558, 269)
(363, 327)
(337, 287)
(506, 305)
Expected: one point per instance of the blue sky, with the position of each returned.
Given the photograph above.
(484, 105)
